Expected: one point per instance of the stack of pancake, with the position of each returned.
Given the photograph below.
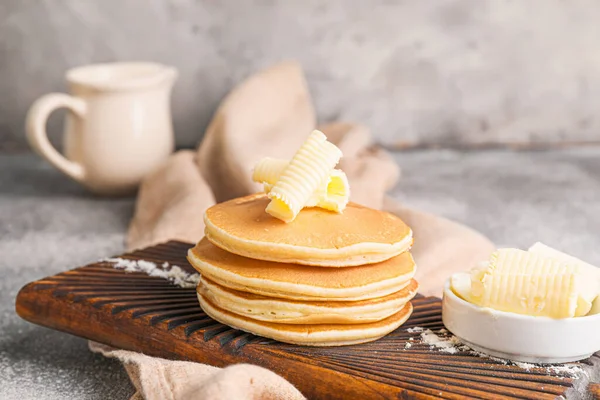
(325, 279)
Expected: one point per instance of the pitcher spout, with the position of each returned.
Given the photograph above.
(170, 74)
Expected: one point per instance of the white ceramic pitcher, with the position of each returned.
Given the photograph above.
(118, 129)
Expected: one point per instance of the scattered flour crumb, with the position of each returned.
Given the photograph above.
(551, 369)
(524, 365)
(407, 345)
(172, 273)
(557, 369)
(568, 369)
(445, 342)
(449, 344)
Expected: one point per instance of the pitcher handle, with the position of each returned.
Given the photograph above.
(35, 125)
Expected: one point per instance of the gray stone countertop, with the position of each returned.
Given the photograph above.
(49, 224)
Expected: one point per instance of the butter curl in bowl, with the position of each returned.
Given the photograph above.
(539, 305)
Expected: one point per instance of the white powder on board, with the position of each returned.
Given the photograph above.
(172, 273)
(445, 342)
(569, 369)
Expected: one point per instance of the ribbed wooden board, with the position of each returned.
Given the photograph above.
(147, 314)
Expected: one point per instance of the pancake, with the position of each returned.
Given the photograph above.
(271, 309)
(358, 236)
(309, 335)
(300, 282)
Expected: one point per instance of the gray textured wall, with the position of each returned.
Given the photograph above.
(416, 71)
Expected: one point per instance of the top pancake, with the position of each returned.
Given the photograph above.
(358, 236)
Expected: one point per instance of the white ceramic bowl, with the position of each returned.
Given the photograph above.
(520, 337)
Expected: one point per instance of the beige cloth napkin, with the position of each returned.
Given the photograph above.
(270, 114)
(159, 379)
